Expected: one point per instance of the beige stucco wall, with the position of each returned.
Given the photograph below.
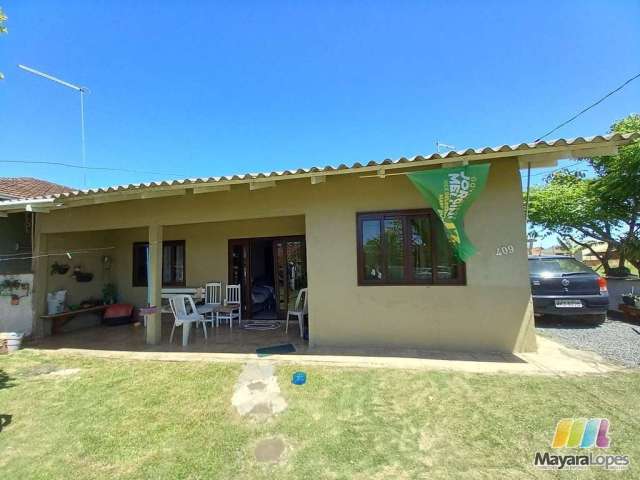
(88, 262)
(492, 312)
(205, 244)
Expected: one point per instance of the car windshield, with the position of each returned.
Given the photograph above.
(550, 266)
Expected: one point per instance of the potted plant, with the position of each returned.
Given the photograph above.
(59, 268)
(10, 284)
(15, 299)
(109, 293)
(631, 299)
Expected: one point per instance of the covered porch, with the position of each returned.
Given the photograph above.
(146, 265)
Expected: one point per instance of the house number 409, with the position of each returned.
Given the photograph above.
(505, 250)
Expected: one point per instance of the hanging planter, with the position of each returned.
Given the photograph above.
(59, 268)
(81, 276)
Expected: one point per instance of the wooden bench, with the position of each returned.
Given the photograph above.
(58, 320)
(631, 313)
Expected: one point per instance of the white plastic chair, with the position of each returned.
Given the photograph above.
(232, 307)
(212, 302)
(183, 318)
(300, 309)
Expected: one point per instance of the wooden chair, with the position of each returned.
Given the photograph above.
(232, 307)
(300, 309)
(212, 302)
(182, 316)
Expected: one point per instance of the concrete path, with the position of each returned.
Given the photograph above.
(257, 394)
(552, 358)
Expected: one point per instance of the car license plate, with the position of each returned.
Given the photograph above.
(569, 303)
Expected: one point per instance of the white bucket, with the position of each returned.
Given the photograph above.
(14, 340)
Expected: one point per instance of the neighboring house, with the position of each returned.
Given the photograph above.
(16, 231)
(328, 228)
(590, 259)
(553, 250)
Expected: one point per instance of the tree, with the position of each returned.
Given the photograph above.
(3, 30)
(604, 208)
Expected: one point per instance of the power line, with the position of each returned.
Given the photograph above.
(110, 169)
(555, 170)
(627, 82)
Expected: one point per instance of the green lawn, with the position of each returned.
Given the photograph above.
(118, 419)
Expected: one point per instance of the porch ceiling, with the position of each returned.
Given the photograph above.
(538, 155)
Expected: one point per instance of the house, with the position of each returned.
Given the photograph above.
(16, 232)
(552, 250)
(590, 259)
(374, 255)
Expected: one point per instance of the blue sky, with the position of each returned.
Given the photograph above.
(210, 88)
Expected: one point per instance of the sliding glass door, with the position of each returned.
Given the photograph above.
(291, 271)
(280, 278)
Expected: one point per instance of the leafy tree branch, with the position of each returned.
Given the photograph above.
(603, 208)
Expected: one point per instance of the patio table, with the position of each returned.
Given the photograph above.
(186, 326)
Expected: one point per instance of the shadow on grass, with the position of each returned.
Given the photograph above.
(5, 420)
(5, 380)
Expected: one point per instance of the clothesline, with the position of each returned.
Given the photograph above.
(68, 254)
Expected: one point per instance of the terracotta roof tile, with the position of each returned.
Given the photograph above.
(27, 187)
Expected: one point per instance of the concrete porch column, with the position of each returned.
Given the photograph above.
(40, 267)
(154, 276)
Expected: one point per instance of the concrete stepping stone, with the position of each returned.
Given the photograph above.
(269, 450)
(257, 393)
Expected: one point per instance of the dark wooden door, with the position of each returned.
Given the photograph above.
(240, 271)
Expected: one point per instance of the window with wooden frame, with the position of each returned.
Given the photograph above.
(405, 247)
(173, 263)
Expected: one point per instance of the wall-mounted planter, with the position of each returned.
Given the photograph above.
(83, 277)
(59, 269)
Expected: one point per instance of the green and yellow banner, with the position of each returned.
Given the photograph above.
(450, 192)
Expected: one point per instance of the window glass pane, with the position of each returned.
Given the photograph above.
(421, 249)
(446, 264)
(281, 275)
(395, 249)
(179, 265)
(140, 254)
(167, 271)
(372, 250)
(296, 271)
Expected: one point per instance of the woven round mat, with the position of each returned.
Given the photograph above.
(263, 325)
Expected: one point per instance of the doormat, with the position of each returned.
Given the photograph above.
(275, 350)
(261, 325)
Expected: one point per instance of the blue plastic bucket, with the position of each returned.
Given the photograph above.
(299, 378)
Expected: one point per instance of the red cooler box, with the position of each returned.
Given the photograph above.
(118, 314)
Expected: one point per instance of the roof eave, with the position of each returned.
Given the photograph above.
(539, 155)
